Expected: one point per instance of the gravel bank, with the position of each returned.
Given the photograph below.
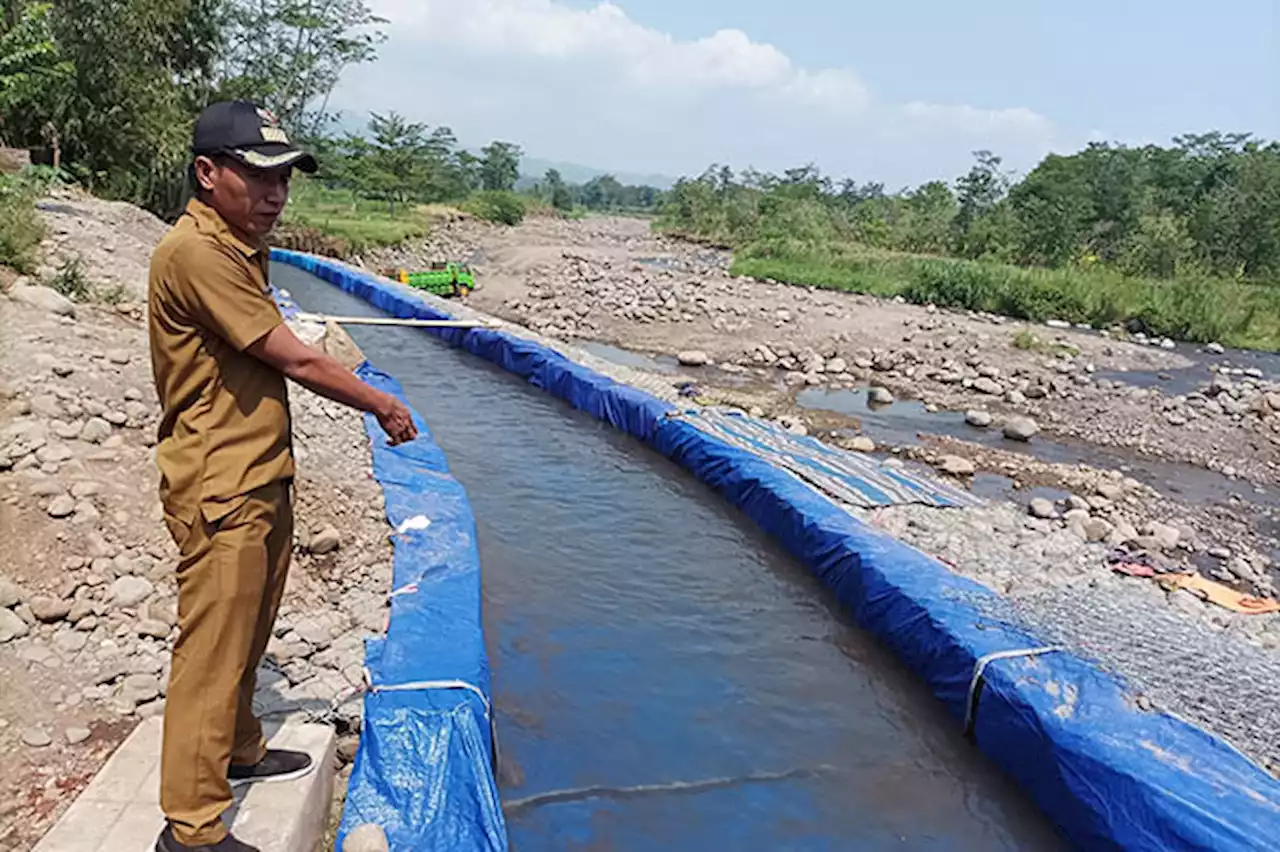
(612, 280)
(1216, 668)
(88, 603)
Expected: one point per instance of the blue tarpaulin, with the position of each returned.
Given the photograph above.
(424, 768)
(1110, 775)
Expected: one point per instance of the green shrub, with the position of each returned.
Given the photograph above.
(71, 280)
(1199, 309)
(506, 208)
(20, 227)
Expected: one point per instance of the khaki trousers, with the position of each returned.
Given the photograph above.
(231, 576)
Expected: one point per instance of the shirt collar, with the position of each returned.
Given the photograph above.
(209, 221)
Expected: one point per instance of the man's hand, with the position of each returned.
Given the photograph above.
(395, 419)
(315, 370)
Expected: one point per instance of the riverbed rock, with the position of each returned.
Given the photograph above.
(11, 626)
(10, 594)
(61, 506)
(95, 430)
(77, 735)
(1097, 529)
(1042, 508)
(70, 642)
(1073, 516)
(862, 444)
(36, 738)
(987, 386)
(325, 540)
(85, 488)
(1165, 536)
(152, 628)
(1110, 490)
(692, 358)
(48, 610)
(130, 591)
(879, 396)
(980, 419)
(956, 466)
(45, 299)
(1123, 533)
(1215, 349)
(1021, 429)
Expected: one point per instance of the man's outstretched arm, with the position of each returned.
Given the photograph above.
(320, 373)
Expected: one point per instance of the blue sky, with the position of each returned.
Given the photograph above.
(897, 92)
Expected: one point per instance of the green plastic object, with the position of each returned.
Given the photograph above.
(445, 279)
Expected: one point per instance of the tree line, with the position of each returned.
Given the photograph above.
(1209, 204)
(403, 162)
(108, 90)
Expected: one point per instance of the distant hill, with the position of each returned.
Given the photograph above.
(534, 168)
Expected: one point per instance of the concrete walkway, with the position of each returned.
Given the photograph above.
(120, 810)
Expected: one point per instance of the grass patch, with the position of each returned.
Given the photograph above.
(359, 223)
(505, 208)
(20, 227)
(1029, 341)
(71, 280)
(1201, 310)
(112, 295)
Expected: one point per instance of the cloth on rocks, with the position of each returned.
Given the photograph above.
(1217, 593)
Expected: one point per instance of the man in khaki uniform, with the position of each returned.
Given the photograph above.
(220, 353)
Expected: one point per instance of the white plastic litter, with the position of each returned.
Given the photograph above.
(417, 522)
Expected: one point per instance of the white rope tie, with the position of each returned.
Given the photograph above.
(423, 685)
(975, 683)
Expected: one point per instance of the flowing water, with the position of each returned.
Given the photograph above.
(665, 676)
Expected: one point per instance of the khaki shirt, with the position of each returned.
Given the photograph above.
(225, 429)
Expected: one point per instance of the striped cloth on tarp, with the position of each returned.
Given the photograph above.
(849, 477)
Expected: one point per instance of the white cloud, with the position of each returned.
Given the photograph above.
(647, 58)
(596, 86)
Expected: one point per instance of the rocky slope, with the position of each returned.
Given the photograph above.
(87, 597)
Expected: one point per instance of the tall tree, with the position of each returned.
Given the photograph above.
(35, 80)
(978, 192)
(557, 191)
(128, 112)
(500, 166)
(289, 54)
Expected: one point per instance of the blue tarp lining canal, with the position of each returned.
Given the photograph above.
(1109, 775)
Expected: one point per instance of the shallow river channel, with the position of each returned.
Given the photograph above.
(665, 676)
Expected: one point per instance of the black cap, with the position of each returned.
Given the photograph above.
(250, 134)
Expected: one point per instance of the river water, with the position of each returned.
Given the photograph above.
(665, 677)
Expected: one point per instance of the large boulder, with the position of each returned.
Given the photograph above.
(44, 299)
(1021, 429)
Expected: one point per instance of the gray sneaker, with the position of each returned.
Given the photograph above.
(276, 765)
